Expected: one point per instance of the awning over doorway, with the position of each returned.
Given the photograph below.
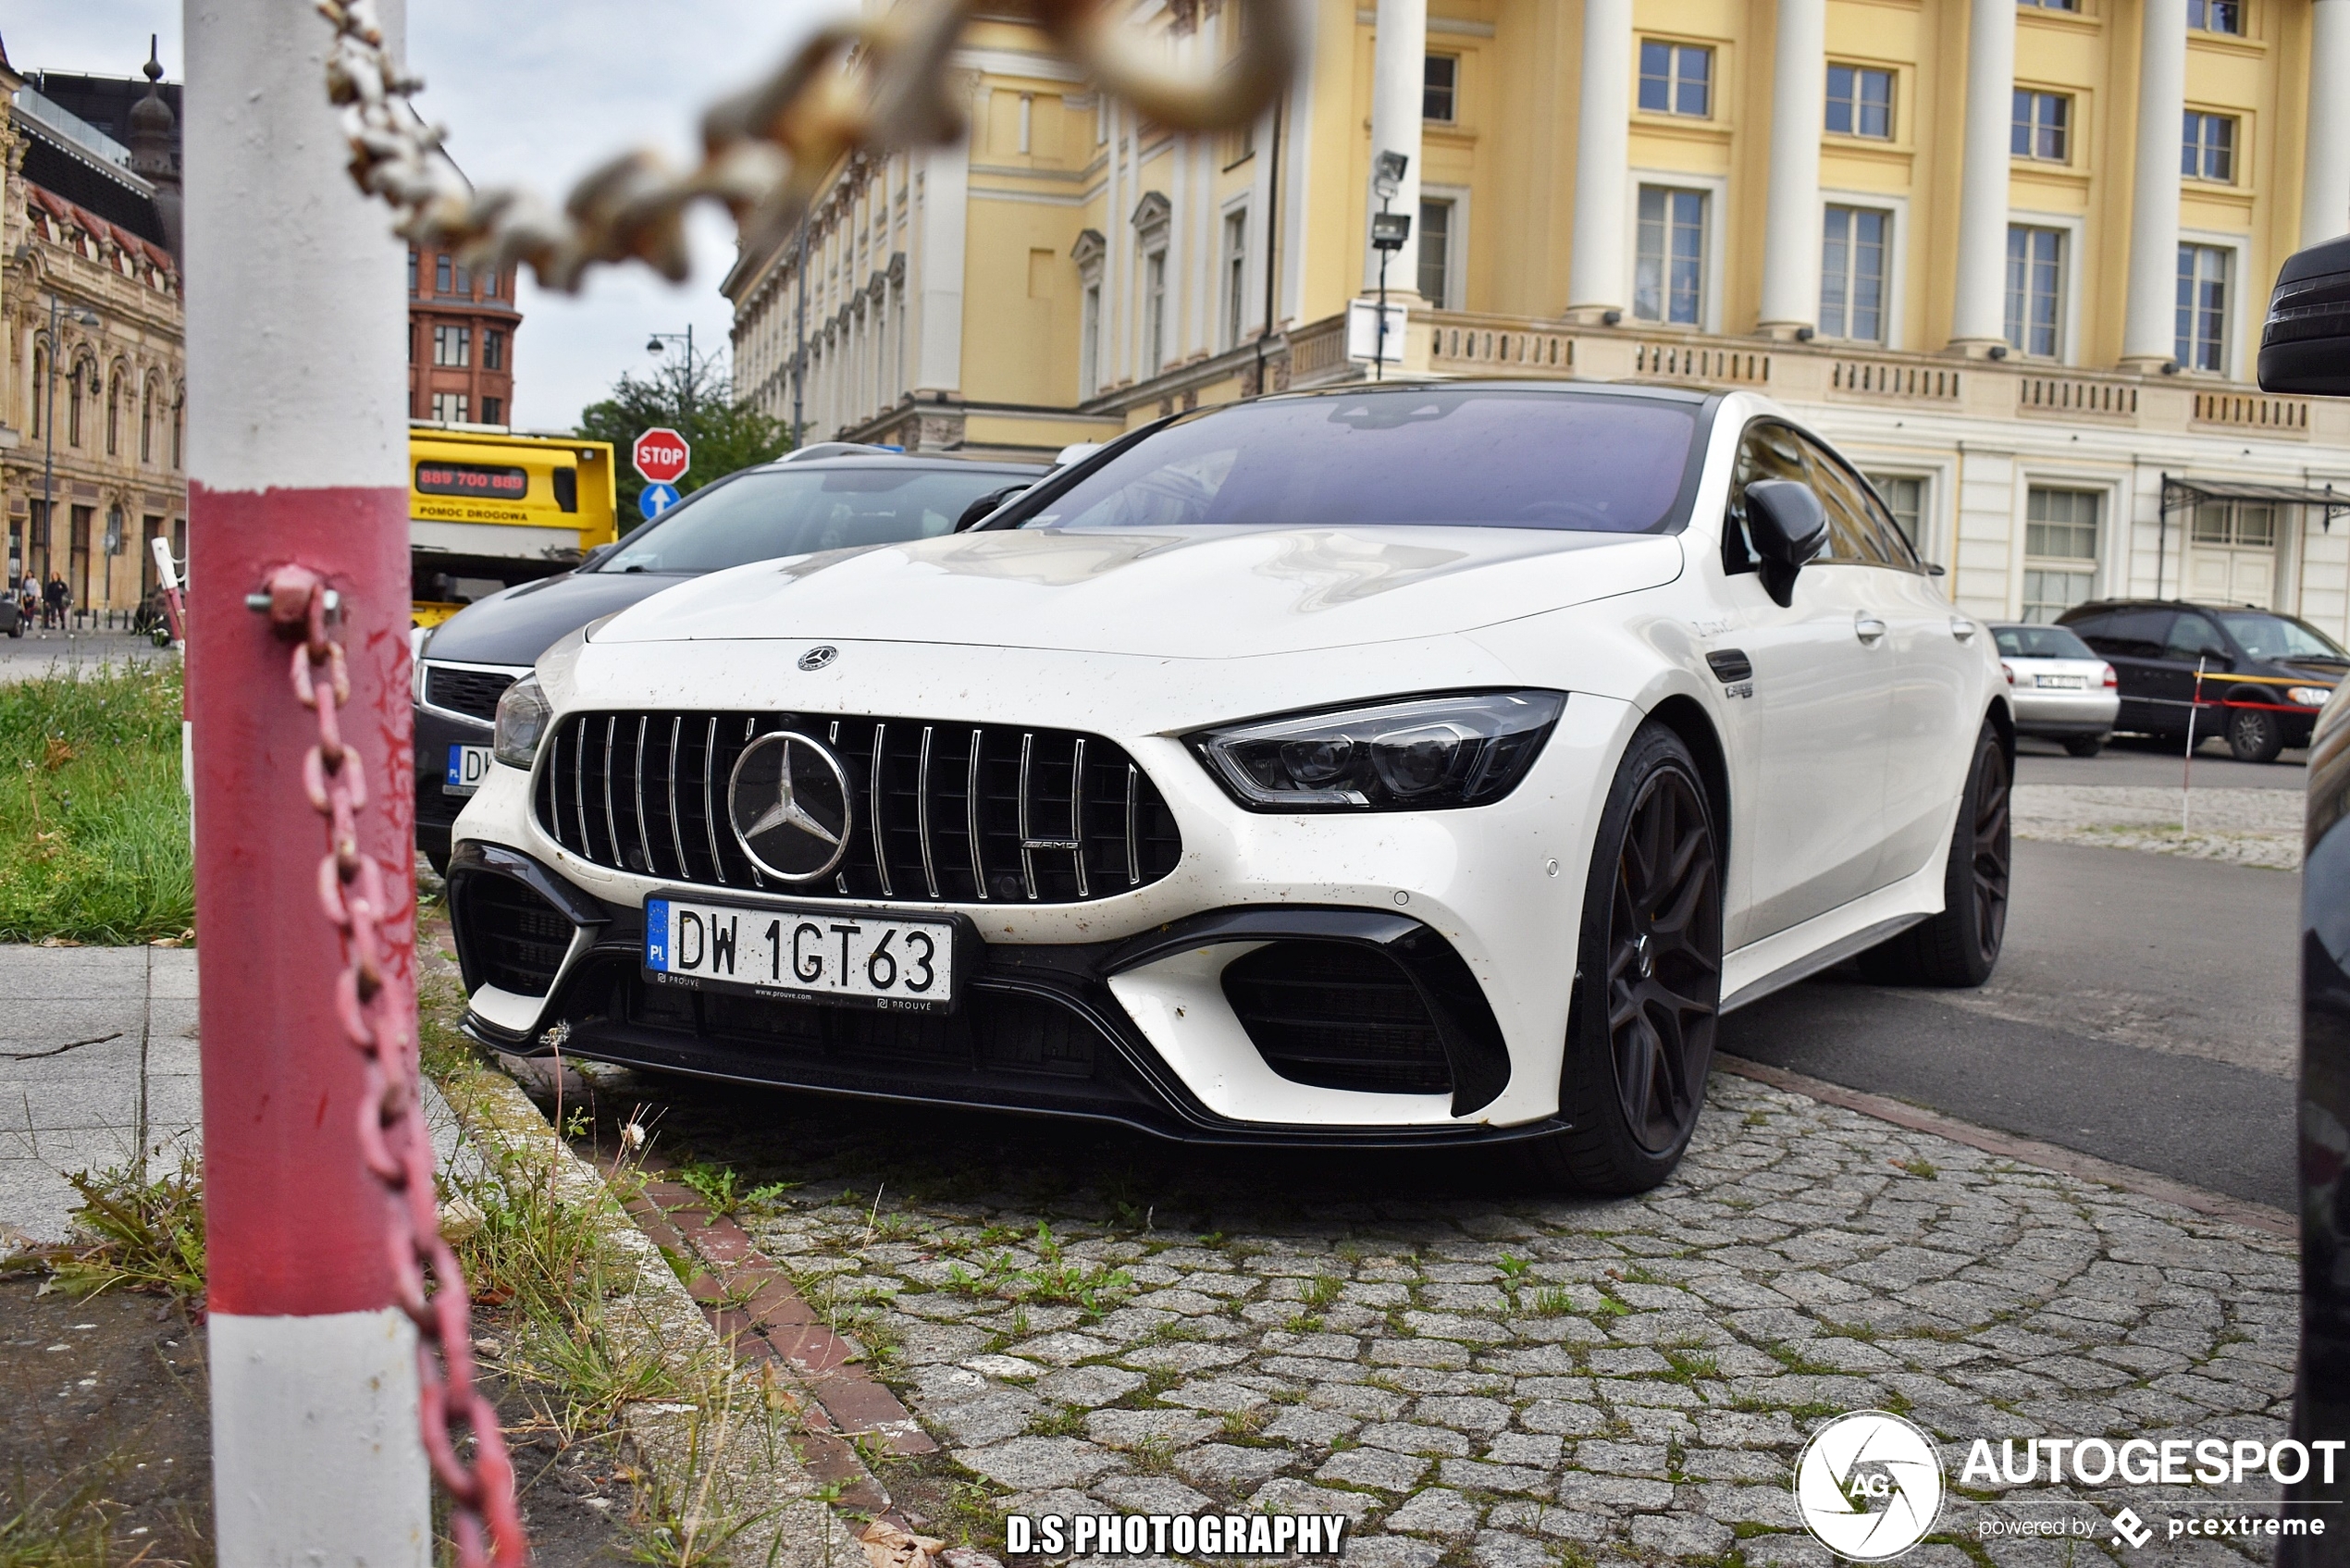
(2178, 494)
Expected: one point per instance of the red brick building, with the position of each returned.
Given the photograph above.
(461, 341)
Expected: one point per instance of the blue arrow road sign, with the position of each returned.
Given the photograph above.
(656, 499)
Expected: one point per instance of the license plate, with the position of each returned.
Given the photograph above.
(2064, 683)
(468, 765)
(832, 955)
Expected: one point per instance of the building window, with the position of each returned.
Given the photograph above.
(2216, 15)
(1677, 78)
(1439, 88)
(73, 407)
(2203, 306)
(2041, 127)
(1154, 311)
(2060, 550)
(450, 407)
(491, 411)
(1089, 342)
(452, 345)
(2035, 289)
(1435, 253)
(465, 280)
(2051, 5)
(2240, 524)
(147, 424)
(441, 265)
(493, 350)
(114, 415)
(1905, 497)
(1853, 275)
(1668, 281)
(411, 271)
(490, 284)
(42, 392)
(1235, 277)
(1860, 101)
(2207, 150)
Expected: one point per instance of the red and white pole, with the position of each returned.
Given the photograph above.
(297, 384)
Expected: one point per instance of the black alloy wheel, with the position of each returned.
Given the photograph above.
(1961, 945)
(2254, 737)
(1649, 981)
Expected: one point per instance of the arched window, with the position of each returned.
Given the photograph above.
(179, 425)
(114, 415)
(147, 422)
(40, 388)
(73, 407)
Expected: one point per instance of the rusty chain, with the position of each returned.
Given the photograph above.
(354, 892)
(874, 85)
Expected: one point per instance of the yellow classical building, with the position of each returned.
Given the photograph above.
(2012, 258)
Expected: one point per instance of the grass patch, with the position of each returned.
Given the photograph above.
(723, 1193)
(1055, 1279)
(94, 814)
(58, 1521)
(135, 1230)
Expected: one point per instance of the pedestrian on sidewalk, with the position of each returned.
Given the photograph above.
(53, 598)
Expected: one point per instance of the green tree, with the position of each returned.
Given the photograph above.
(696, 400)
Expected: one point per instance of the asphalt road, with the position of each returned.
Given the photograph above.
(2128, 760)
(2143, 1011)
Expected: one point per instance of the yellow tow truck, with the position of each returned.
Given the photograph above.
(488, 510)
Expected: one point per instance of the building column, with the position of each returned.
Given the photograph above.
(1603, 163)
(938, 361)
(1398, 80)
(1791, 222)
(1978, 306)
(2325, 180)
(2150, 329)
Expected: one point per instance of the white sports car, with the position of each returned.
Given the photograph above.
(1417, 765)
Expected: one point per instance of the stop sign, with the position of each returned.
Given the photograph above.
(661, 455)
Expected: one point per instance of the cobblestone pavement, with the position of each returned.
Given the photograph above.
(2250, 827)
(1479, 1376)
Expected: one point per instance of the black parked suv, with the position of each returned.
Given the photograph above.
(2265, 675)
(836, 496)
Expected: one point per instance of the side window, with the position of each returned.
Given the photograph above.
(2130, 634)
(2088, 628)
(1765, 451)
(2192, 637)
(1853, 540)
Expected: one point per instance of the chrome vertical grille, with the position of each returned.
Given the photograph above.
(941, 811)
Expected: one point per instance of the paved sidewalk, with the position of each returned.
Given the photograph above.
(98, 1059)
(46, 653)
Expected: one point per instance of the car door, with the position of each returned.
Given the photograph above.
(1933, 712)
(1810, 742)
(2132, 641)
(2193, 640)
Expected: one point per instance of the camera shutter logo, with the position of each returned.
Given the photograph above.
(1869, 1485)
(788, 801)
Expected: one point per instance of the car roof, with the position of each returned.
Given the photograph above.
(932, 462)
(1479, 383)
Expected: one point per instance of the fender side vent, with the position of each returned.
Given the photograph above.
(1730, 665)
(1337, 1015)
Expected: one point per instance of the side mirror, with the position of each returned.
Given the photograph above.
(2305, 345)
(1788, 528)
(979, 509)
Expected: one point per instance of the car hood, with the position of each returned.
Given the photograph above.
(1205, 593)
(518, 624)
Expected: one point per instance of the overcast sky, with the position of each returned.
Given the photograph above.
(535, 93)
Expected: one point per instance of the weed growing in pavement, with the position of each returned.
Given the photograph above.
(135, 1231)
(1922, 1168)
(1515, 1271)
(723, 1194)
(93, 812)
(682, 1518)
(1794, 1360)
(1057, 1421)
(1056, 1278)
(1687, 1366)
(57, 1522)
(1323, 1291)
(1554, 1301)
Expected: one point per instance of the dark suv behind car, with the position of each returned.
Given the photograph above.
(2264, 676)
(830, 497)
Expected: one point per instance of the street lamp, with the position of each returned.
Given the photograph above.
(658, 343)
(80, 316)
(1388, 231)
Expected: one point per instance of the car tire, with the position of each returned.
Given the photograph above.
(1961, 945)
(1648, 986)
(2254, 737)
(2084, 746)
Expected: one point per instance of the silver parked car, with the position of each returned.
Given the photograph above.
(2062, 691)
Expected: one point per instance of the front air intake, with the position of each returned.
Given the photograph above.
(516, 940)
(1338, 1014)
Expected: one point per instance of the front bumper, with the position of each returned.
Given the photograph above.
(1120, 1009)
(436, 809)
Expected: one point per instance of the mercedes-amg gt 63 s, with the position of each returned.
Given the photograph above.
(1412, 766)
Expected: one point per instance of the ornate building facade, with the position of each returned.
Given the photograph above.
(92, 375)
(2012, 258)
(461, 341)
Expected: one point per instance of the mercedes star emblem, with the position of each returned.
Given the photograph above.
(788, 801)
(816, 658)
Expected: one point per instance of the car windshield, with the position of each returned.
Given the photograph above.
(2040, 642)
(773, 512)
(2275, 637)
(1489, 458)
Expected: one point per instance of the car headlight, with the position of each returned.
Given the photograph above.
(2308, 697)
(523, 713)
(1419, 754)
